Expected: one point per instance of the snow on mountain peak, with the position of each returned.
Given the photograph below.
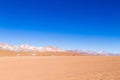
(52, 49)
(24, 45)
(6, 46)
(27, 47)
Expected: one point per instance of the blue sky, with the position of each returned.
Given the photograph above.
(69, 24)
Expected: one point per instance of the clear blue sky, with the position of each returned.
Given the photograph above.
(69, 24)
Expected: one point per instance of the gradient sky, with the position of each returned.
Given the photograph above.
(69, 24)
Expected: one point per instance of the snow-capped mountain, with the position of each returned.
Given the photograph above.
(6, 46)
(52, 49)
(101, 53)
(95, 53)
(29, 48)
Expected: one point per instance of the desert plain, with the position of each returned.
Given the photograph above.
(60, 68)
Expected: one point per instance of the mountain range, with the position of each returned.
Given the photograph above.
(48, 49)
(29, 48)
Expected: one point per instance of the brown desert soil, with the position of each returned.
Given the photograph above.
(60, 68)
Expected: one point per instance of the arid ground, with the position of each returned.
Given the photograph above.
(60, 68)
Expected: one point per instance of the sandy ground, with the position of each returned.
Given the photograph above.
(60, 68)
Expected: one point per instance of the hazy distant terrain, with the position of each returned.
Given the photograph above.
(12, 53)
(29, 50)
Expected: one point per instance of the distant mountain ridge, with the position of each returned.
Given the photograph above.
(53, 49)
(29, 48)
